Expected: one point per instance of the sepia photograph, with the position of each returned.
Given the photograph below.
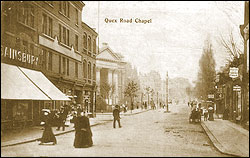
(124, 78)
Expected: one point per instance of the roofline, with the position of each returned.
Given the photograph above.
(90, 29)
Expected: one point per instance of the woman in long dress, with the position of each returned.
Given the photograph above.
(48, 135)
(83, 135)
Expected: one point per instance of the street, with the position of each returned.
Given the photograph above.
(152, 133)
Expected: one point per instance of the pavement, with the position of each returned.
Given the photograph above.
(228, 137)
(34, 133)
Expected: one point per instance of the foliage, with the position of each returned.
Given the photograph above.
(100, 103)
(206, 75)
(131, 91)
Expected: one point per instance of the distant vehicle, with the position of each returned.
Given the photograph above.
(170, 102)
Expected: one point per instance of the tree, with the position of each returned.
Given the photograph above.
(232, 48)
(206, 75)
(149, 91)
(131, 92)
(105, 89)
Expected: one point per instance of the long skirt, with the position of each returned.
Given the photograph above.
(48, 136)
(83, 139)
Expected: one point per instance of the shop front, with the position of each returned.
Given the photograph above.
(24, 93)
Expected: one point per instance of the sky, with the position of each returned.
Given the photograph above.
(174, 40)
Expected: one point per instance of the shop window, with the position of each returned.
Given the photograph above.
(20, 111)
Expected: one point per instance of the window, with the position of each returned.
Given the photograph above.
(76, 16)
(44, 59)
(32, 17)
(50, 61)
(50, 27)
(64, 66)
(26, 15)
(25, 46)
(76, 69)
(31, 49)
(89, 44)
(94, 46)
(85, 42)
(60, 64)
(47, 24)
(64, 8)
(84, 69)
(44, 23)
(63, 35)
(94, 72)
(89, 70)
(68, 67)
(76, 42)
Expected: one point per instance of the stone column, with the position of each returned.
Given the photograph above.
(110, 81)
(115, 82)
(98, 78)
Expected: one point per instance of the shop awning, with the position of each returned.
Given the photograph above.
(44, 84)
(15, 85)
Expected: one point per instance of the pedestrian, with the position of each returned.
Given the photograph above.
(205, 114)
(83, 134)
(62, 119)
(210, 113)
(48, 135)
(116, 115)
(225, 114)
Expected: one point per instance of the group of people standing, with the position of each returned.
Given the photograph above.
(83, 133)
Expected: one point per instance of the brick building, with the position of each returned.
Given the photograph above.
(50, 37)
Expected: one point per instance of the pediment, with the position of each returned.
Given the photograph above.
(107, 54)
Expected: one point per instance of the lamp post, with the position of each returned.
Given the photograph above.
(167, 91)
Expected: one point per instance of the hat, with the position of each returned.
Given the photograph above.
(116, 106)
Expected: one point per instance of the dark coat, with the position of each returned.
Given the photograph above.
(83, 135)
(116, 114)
(48, 135)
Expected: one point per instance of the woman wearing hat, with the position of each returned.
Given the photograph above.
(48, 135)
(83, 135)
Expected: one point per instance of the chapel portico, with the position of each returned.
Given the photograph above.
(110, 69)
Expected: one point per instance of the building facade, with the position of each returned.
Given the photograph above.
(110, 77)
(50, 37)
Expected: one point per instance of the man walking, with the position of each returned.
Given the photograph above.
(116, 115)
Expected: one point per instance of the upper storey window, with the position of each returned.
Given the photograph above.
(64, 8)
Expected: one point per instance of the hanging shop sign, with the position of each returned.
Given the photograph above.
(234, 72)
(236, 88)
(14, 54)
(211, 96)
